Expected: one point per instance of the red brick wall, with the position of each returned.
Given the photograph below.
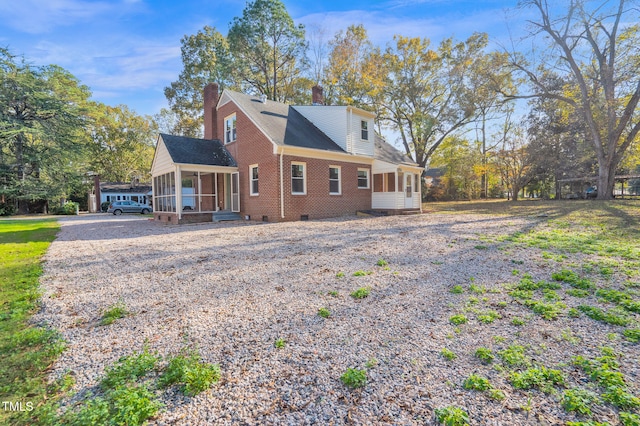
(253, 147)
(318, 203)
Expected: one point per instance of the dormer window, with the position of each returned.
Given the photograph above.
(364, 130)
(230, 129)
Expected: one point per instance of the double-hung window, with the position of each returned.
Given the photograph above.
(335, 188)
(364, 130)
(298, 178)
(253, 179)
(363, 178)
(230, 129)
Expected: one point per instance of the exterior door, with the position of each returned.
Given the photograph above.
(408, 191)
(235, 192)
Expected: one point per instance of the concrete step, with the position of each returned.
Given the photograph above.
(220, 216)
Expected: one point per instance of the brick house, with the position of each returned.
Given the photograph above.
(265, 160)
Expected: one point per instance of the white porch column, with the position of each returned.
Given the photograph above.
(179, 192)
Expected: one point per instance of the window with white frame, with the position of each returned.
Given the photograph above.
(298, 178)
(335, 187)
(364, 130)
(363, 178)
(253, 179)
(230, 129)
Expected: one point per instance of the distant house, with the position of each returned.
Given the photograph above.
(116, 191)
(265, 160)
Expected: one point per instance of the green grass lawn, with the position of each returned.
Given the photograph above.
(26, 350)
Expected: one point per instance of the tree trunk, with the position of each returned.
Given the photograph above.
(514, 193)
(606, 180)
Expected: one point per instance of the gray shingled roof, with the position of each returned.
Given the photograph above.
(283, 124)
(123, 187)
(383, 151)
(209, 152)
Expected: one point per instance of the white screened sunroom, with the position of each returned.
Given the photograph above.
(193, 178)
(395, 187)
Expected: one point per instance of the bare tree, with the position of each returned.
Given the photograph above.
(593, 44)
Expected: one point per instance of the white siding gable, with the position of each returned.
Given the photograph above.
(343, 125)
(331, 120)
(162, 162)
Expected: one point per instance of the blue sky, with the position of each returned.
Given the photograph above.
(127, 51)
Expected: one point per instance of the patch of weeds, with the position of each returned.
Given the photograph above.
(360, 293)
(456, 289)
(606, 271)
(515, 272)
(488, 317)
(576, 292)
(187, 369)
(541, 378)
(629, 419)
(518, 321)
(382, 262)
(448, 354)
(550, 295)
(574, 313)
(527, 283)
(588, 423)
(280, 343)
(126, 405)
(517, 262)
(129, 369)
(480, 247)
(354, 378)
(458, 319)
(502, 304)
(622, 399)
(475, 382)
(324, 313)
(548, 311)
(485, 355)
(604, 371)
(573, 279)
(579, 401)
(632, 334)
(472, 301)
(476, 289)
(496, 394)
(521, 294)
(514, 356)
(568, 336)
(361, 273)
(452, 416)
(612, 336)
(333, 293)
(613, 296)
(372, 362)
(114, 312)
(499, 339)
(610, 317)
(340, 275)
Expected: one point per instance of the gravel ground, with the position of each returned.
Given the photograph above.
(232, 289)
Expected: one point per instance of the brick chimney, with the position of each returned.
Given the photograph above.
(210, 113)
(317, 98)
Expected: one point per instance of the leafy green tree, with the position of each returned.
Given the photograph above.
(463, 165)
(426, 95)
(205, 59)
(268, 49)
(596, 44)
(41, 131)
(122, 144)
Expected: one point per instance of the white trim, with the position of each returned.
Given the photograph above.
(251, 193)
(360, 169)
(224, 128)
(304, 177)
(320, 154)
(339, 180)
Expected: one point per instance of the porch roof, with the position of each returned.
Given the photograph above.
(206, 152)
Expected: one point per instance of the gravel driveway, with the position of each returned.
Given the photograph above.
(232, 289)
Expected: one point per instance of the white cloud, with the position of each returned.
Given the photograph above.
(37, 16)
